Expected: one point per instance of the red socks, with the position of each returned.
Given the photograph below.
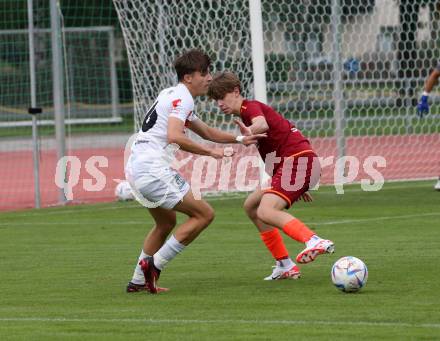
(274, 242)
(297, 230)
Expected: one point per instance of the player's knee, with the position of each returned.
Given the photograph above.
(263, 214)
(248, 208)
(203, 213)
(205, 217)
(208, 216)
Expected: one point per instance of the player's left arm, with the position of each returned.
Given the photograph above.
(219, 136)
(307, 197)
(423, 105)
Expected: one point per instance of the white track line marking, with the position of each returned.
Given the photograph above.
(211, 198)
(229, 322)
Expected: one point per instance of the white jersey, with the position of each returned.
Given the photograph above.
(152, 140)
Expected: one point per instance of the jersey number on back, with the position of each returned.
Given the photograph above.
(150, 118)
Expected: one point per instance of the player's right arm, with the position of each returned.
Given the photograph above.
(176, 135)
(432, 80)
(255, 115)
(219, 136)
(259, 126)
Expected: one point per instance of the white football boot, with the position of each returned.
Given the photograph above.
(279, 272)
(437, 185)
(310, 253)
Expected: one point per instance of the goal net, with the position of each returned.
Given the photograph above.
(90, 76)
(348, 73)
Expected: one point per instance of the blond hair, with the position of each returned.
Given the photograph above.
(222, 84)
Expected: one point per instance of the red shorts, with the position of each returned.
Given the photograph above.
(295, 175)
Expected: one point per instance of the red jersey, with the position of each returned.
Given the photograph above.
(282, 137)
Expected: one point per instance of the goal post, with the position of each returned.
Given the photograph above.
(333, 67)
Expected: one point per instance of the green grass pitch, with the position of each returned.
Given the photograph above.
(63, 273)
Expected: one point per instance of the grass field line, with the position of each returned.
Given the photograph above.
(239, 322)
(147, 221)
(349, 221)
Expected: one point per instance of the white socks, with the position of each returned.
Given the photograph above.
(138, 275)
(167, 252)
(285, 263)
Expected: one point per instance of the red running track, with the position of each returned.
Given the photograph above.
(407, 157)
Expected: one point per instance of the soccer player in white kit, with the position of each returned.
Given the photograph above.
(154, 182)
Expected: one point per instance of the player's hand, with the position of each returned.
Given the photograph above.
(423, 106)
(307, 197)
(219, 153)
(253, 139)
(245, 131)
(228, 152)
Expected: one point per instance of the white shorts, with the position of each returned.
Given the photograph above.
(163, 188)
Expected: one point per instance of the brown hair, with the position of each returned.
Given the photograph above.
(223, 83)
(191, 61)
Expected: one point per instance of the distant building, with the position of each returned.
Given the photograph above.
(369, 39)
(375, 32)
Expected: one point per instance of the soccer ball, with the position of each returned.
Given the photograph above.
(349, 274)
(123, 191)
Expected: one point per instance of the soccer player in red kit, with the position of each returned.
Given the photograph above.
(294, 167)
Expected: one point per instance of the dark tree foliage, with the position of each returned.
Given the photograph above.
(80, 13)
